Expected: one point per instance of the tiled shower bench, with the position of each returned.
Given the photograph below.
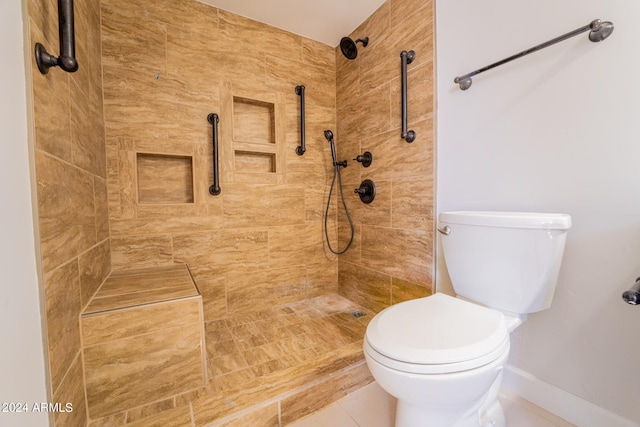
(143, 339)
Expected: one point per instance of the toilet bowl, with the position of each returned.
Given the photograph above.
(441, 374)
(442, 357)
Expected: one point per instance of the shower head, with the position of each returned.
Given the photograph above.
(600, 30)
(329, 135)
(349, 48)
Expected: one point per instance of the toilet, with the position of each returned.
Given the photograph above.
(442, 357)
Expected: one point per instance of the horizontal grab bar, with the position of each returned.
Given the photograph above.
(600, 30)
(67, 59)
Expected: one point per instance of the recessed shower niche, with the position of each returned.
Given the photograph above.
(255, 121)
(164, 178)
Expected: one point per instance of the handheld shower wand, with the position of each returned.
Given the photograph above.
(336, 174)
(329, 136)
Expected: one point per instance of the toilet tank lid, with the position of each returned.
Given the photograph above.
(546, 221)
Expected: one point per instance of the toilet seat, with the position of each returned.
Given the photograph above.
(436, 334)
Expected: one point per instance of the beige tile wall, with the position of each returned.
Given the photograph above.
(71, 192)
(167, 65)
(391, 259)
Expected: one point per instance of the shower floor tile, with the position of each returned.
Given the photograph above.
(256, 359)
(256, 345)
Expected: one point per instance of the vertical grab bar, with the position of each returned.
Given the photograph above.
(67, 59)
(215, 189)
(406, 58)
(302, 147)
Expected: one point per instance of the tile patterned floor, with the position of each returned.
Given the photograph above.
(371, 406)
(264, 357)
(255, 345)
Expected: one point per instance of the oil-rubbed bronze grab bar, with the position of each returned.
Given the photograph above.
(406, 58)
(67, 59)
(600, 30)
(302, 147)
(215, 189)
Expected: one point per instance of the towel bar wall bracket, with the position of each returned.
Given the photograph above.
(599, 30)
(67, 59)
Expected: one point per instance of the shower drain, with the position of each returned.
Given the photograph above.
(358, 313)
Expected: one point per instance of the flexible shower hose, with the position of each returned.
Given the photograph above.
(336, 171)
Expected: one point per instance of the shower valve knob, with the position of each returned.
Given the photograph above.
(367, 191)
(365, 158)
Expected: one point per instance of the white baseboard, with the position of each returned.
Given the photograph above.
(565, 405)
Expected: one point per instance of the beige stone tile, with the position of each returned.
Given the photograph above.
(132, 39)
(420, 90)
(261, 289)
(142, 412)
(235, 380)
(123, 226)
(380, 60)
(100, 195)
(266, 416)
(412, 203)
(115, 420)
(63, 304)
(94, 266)
(51, 101)
(140, 251)
(129, 372)
(394, 157)
(323, 394)
(227, 363)
(150, 318)
(71, 391)
(135, 103)
(213, 293)
(322, 276)
(414, 30)
(255, 206)
(401, 290)
(402, 253)
(66, 210)
(378, 212)
(295, 244)
(364, 286)
(178, 417)
(227, 248)
(318, 54)
(252, 36)
(87, 135)
(115, 302)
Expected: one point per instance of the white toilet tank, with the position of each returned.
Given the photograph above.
(505, 260)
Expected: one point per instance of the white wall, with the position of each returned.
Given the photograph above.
(557, 131)
(22, 377)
